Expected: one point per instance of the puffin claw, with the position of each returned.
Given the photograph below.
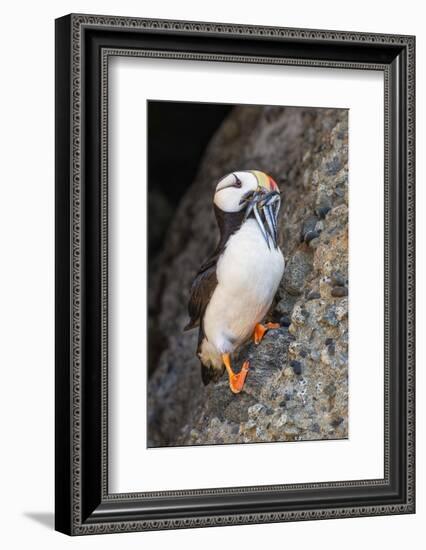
(260, 331)
(236, 381)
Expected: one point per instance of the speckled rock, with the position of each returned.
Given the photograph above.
(297, 387)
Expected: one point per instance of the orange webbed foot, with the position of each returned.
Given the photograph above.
(236, 381)
(261, 330)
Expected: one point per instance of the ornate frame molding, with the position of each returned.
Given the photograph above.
(73, 504)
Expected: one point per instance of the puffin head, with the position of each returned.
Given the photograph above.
(255, 193)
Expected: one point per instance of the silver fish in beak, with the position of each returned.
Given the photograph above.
(264, 206)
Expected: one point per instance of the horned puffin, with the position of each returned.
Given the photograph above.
(234, 288)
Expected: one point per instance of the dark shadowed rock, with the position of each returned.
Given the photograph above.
(339, 291)
(296, 388)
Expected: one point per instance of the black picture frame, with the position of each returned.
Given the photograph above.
(83, 45)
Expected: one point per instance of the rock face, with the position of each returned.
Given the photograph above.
(297, 387)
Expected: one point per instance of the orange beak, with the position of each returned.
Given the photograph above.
(273, 184)
(265, 181)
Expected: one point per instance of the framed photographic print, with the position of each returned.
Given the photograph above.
(234, 274)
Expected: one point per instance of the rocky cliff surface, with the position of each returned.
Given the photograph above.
(297, 387)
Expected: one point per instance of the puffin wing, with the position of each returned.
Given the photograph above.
(202, 289)
(205, 281)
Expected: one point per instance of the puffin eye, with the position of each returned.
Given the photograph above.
(238, 183)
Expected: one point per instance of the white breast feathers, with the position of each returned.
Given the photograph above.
(248, 275)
